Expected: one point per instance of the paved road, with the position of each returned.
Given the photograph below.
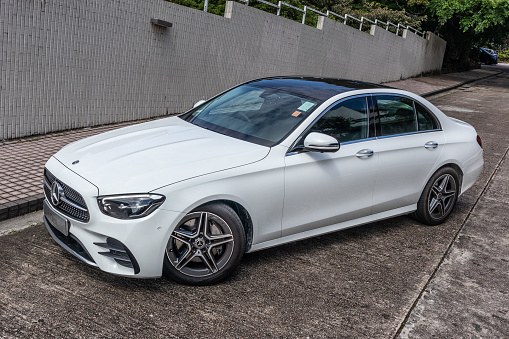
(359, 283)
(468, 295)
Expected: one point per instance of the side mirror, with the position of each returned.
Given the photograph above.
(319, 142)
(199, 103)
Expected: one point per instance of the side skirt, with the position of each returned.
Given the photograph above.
(333, 228)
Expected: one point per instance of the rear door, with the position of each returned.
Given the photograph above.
(409, 143)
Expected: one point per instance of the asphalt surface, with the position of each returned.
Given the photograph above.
(380, 280)
(468, 296)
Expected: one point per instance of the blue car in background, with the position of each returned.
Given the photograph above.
(488, 56)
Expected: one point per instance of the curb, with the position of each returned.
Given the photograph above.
(445, 89)
(19, 207)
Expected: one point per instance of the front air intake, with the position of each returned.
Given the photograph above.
(120, 253)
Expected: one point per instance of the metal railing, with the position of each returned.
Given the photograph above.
(281, 3)
(306, 8)
(365, 19)
(336, 15)
(344, 18)
(397, 27)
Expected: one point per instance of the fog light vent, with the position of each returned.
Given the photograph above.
(120, 253)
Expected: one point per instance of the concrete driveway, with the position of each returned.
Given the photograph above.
(361, 283)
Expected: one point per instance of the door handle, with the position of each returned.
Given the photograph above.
(364, 153)
(431, 145)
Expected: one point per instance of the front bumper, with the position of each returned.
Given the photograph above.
(133, 248)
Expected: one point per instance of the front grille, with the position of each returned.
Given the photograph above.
(72, 203)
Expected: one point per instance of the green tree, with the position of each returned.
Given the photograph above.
(383, 11)
(478, 15)
(467, 25)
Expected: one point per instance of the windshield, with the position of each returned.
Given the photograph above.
(261, 115)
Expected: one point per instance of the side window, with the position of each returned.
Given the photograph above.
(396, 115)
(426, 120)
(347, 121)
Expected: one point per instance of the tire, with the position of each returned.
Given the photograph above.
(206, 246)
(438, 198)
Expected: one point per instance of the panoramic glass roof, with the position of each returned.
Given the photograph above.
(319, 88)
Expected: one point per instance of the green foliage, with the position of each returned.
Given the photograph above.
(476, 14)
(287, 12)
(215, 6)
(383, 11)
(357, 8)
(503, 56)
(374, 10)
(465, 24)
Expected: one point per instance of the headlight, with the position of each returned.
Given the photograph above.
(130, 206)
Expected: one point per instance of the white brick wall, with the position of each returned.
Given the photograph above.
(73, 63)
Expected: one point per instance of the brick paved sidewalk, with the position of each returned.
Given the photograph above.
(22, 161)
(429, 85)
(22, 166)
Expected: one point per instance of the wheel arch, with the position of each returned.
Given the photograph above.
(455, 167)
(452, 165)
(242, 213)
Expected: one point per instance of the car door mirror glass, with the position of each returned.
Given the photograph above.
(319, 142)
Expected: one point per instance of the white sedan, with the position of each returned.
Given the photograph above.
(267, 162)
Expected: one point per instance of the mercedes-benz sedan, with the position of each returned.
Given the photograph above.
(267, 162)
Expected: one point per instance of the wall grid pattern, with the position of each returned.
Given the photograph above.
(69, 64)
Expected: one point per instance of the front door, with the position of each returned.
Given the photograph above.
(322, 189)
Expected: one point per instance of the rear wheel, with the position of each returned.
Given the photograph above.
(438, 198)
(206, 246)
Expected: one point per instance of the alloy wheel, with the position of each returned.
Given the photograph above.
(442, 196)
(201, 245)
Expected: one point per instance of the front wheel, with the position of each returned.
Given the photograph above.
(206, 246)
(438, 198)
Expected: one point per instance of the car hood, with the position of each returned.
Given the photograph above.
(144, 157)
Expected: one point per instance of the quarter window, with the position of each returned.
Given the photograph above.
(347, 121)
(425, 119)
(396, 115)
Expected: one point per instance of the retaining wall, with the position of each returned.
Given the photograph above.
(73, 63)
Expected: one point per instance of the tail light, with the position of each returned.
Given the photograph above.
(479, 141)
